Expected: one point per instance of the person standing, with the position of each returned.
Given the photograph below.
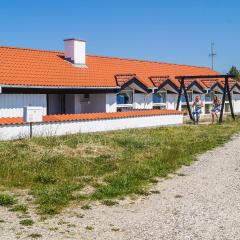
(216, 108)
(197, 105)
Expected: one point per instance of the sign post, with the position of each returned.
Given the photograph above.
(32, 115)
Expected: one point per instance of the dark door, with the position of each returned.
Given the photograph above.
(56, 104)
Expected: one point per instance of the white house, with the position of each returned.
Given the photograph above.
(70, 83)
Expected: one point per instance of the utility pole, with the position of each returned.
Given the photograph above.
(212, 54)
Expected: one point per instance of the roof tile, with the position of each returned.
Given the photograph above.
(48, 68)
(92, 116)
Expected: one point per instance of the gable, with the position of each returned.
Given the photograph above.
(196, 86)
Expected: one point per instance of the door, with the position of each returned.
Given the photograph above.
(56, 104)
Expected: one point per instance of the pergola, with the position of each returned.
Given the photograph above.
(226, 90)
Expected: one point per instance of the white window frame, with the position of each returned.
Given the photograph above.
(128, 105)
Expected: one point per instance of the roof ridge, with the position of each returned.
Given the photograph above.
(150, 61)
(102, 56)
(30, 49)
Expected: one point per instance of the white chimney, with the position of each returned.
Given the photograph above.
(75, 51)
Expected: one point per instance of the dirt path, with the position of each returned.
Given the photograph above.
(202, 202)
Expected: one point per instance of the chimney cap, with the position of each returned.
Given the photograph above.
(75, 39)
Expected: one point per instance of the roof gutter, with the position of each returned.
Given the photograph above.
(53, 87)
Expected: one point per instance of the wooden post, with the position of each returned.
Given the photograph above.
(187, 101)
(180, 93)
(31, 131)
(230, 100)
(223, 99)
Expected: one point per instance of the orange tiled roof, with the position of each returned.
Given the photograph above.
(11, 121)
(159, 80)
(92, 116)
(20, 66)
(123, 78)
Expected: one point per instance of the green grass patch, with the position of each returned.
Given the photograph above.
(89, 228)
(19, 208)
(35, 235)
(6, 200)
(86, 207)
(26, 222)
(113, 164)
(109, 202)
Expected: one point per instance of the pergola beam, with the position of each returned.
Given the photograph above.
(226, 90)
(204, 76)
(183, 88)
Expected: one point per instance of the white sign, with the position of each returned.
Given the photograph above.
(32, 114)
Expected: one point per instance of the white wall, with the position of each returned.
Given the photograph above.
(139, 100)
(11, 105)
(97, 103)
(149, 101)
(236, 102)
(143, 101)
(171, 101)
(8, 132)
(111, 102)
(76, 50)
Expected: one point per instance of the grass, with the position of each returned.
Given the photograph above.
(90, 228)
(114, 164)
(109, 202)
(181, 174)
(26, 222)
(35, 235)
(6, 200)
(19, 208)
(86, 207)
(178, 196)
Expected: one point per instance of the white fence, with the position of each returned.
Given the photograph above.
(8, 132)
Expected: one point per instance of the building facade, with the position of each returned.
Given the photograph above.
(72, 82)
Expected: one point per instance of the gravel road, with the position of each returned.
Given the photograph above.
(202, 201)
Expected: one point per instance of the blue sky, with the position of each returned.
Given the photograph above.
(177, 31)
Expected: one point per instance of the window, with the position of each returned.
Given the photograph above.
(159, 97)
(209, 97)
(125, 97)
(190, 97)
